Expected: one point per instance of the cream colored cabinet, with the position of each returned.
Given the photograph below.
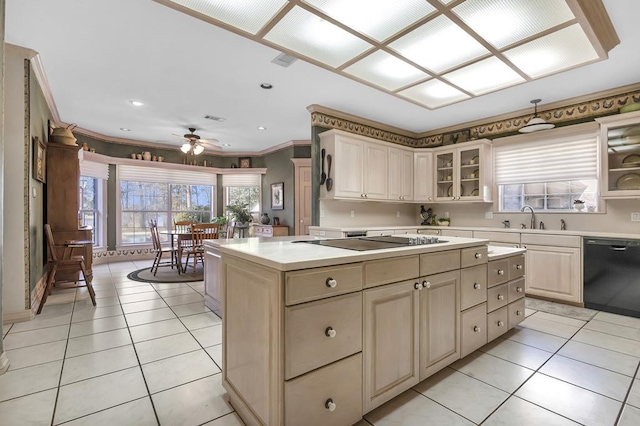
(212, 280)
(375, 171)
(423, 176)
(463, 173)
(348, 164)
(620, 155)
(400, 174)
(390, 341)
(439, 322)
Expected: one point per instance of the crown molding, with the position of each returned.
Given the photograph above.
(41, 76)
(301, 162)
(14, 49)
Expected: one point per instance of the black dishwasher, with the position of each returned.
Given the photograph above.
(611, 272)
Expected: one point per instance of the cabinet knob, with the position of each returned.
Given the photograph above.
(426, 284)
(430, 198)
(518, 313)
(476, 286)
(366, 195)
(330, 405)
(330, 332)
(500, 272)
(478, 255)
(518, 266)
(331, 282)
(361, 195)
(519, 289)
(500, 297)
(417, 286)
(453, 198)
(476, 329)
(500, 323)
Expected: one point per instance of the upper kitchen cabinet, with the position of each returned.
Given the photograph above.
(463, 172)
(620, 155)
(400, 174)
(359, 166)
(423, 176)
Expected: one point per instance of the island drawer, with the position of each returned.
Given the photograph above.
(497, 297)
(516, 267)
(473, 286)
(387, 271)
(311, 284)
(434, 263)
(309, 399)
(473, 256)
(474, 329)
(321, 332)
(516, 290)
(516, 312)
(497, 322)
(498, 272)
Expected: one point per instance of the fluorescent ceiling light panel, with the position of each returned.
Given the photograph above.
(503, 22)
(485, 76)
(566, 48)
(246, 15)
(439, 45)
(311, 36)
(376, 19)
(434, 94)
(386, 71)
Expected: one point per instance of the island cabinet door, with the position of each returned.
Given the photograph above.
(439, 322)
(390, 346)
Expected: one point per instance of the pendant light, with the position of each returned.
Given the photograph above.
(536, 123)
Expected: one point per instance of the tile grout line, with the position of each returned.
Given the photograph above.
(626, 397)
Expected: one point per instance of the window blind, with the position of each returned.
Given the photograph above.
(94, 170)
(164, 175)
(569, 158)
(246, 179)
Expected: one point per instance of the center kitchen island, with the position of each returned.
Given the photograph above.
(318, 335)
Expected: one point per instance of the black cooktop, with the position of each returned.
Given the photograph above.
(364, 243)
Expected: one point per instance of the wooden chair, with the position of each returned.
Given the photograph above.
(68, 265)
(199, 233)
(182, 227)
(159, 250)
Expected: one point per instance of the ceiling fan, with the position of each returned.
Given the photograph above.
(195, 145)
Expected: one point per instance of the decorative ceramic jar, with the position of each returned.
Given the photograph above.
(146, 156)
(63, 135)
(264, 219)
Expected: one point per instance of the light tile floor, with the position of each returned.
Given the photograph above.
(151, 354)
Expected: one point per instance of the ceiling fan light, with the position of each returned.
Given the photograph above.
(197, 150)
(185, 147)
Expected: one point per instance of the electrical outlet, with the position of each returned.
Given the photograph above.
(446, 215)
(34, 192)
(397, 214)
(321, 213)
(488, 215)
(353, 213)
(635, 217)
(322, 233)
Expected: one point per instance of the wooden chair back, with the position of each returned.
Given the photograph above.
(50, 242)
(182, 226)
(155, 236)
(203, 231)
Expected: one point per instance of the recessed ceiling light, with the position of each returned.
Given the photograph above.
(226, 144)
(262, 128)
(266, 86)
(136, 103)
(124, 129)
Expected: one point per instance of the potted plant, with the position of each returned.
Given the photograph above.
(444, 221)
(219, 220)
(578, 204)
(240, 213)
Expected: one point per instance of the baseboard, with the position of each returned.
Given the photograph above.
(21, 316)
(4, 363)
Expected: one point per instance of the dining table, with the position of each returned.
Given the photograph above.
(177, 237)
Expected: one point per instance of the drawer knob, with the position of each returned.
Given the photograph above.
(476, 286)
(478, 255)
(500, 323)
(500, 272)
(500, 297)
(330, 332)
(518, 313)
(426, 284)
(331, 282)
(330, 405)
(519, 289)
(476, 329)
(417, 286)
(518, 266)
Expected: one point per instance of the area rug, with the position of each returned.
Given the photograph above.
(574, 312)
(167, 275)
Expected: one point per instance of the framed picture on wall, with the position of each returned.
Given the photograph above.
(39, 160)
(245, 162)
(277, 196)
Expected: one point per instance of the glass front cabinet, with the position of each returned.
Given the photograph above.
(620, 155)
(463, 172)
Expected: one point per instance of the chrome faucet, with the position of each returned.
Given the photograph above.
(541, 225)
(563, 225)
(506, 223)
(533, 215)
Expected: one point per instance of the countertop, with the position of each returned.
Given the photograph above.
(497, 252)
(283, 254)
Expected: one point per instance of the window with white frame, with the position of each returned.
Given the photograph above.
(93, 177)
(162, 195)
(243, 189)
(548, 174)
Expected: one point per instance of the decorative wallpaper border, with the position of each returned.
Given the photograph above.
(570, 114)
(119, 255)
(25, 192)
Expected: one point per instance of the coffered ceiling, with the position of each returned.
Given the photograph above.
(190, 60)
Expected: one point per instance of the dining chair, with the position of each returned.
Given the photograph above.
(182, 229)
(159, 250)
(68, 265)
(199, 233)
